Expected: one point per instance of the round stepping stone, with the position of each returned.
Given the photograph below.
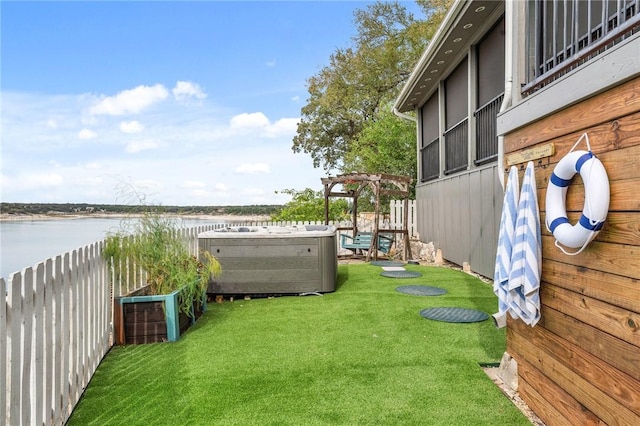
(385, 263)
(393, 268)
(400, 274)
(451, 314)
(421, 290)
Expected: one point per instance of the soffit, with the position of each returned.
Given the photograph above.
(464, 25)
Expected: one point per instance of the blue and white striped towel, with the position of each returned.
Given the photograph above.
(526, 266)
(505, 241)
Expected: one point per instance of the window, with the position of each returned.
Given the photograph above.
(430, 161)
(486, 131)
(456, 142)
(490, 89)
(430, 149)
(456, 136)
(562, 34)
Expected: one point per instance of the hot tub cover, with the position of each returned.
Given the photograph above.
(293, 231)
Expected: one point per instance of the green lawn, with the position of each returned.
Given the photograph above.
(360, 356)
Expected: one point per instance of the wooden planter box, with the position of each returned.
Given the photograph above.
(150, 319)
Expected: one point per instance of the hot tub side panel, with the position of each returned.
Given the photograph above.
(283, 265)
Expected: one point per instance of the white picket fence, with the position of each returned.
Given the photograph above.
(56, 326)
(396, 216)
(55, 332)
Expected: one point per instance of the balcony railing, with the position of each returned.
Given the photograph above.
(486, 131)
(430, 161)
(456, 147)
(562, 34)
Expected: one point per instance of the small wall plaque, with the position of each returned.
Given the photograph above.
(531, 154)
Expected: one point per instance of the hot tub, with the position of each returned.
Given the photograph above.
(273, 260)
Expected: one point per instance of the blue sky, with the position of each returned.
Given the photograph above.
(194, 103)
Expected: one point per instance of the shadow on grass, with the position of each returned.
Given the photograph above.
(343, 277)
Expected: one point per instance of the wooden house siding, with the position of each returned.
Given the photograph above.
(461, 216)
(581, 363)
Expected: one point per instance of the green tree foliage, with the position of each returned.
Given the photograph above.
(347, 111)
(308, 205)
(387, 145)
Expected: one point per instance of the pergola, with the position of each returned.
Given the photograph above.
(380, 184)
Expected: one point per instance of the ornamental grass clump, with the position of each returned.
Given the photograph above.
(154, 244)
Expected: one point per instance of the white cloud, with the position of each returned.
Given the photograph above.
(296, 98)
(284, 126)
(253, 192)
(141, 145)
(145, 186)
(193, 184)
(200, 193)
(186, 89)
(91, 181)
(132, 101)
(219, 191)
(221, 187)
(253, 168)
(94, 165)
(52, 123)
(201, 156)
(131, 127)
(88, 120)
(86, 134)
(249, 121)
(271, 63)
(257, 121)
(44, 180)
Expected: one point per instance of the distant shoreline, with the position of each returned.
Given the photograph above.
(69, 216)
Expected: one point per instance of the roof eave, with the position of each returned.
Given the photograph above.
(464, 23)
(401, 103)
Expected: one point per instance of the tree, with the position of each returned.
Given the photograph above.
(308, 205)
(355, 90)
(329, 120)
(386, 145)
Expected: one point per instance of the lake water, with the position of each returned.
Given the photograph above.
(26, 243)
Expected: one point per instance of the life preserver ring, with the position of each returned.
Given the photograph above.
(596, 200)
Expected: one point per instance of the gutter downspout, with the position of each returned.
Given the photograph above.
(415, 120)
(508, 83)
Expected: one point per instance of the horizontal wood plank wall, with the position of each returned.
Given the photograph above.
(581, 363)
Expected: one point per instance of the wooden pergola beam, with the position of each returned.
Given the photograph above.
(375, 181)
